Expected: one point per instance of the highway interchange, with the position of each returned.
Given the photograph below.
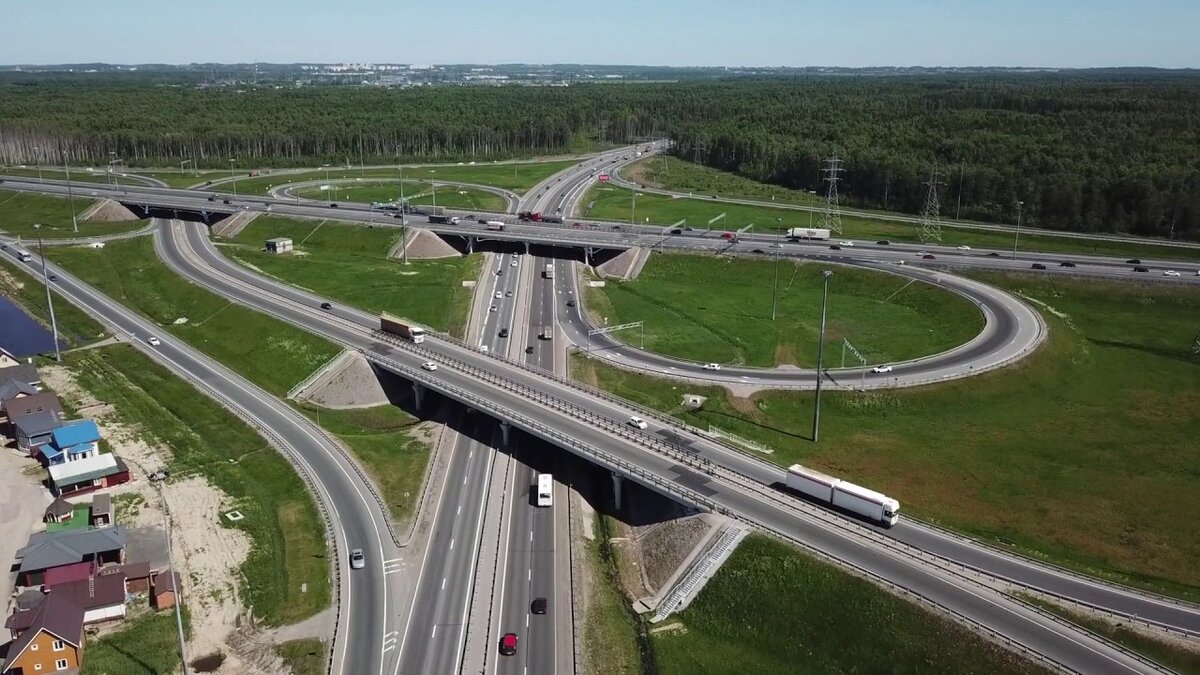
(667, 456)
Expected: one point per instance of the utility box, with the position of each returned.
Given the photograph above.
(279, 245)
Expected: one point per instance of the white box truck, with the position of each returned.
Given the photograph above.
(548, 273)
(866, 503)
(807, 233)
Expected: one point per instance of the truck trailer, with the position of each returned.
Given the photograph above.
(807, 233)
(548, 273)
(394, 325)
(843, 494)
(495, 225)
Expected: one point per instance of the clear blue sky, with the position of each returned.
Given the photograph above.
(1068, 33)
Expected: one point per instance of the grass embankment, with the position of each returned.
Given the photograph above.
(19, 211)
(77, 176)
(382, 438)
(288, 545)
(147, 645)
(1170, 654)
(514, 176)
(74, 326)
(1083, 453)
(610, 630)
(784, 612)
(349, 264)
(719, 309)
(303, 657)
(265, 350)
(613, 203)
(415, 193)
(671, 173)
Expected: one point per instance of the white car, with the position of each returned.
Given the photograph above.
(922, 253)
(153, 341)
(846, 243)
(964, 247)
(1170, 273)
(499, 295)
(638, 422)
(712, 366)
(357, 559)
(483, 348)
(512, 264)
(492, 309)
(429, 365)
(881, 369)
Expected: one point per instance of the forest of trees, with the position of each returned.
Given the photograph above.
(1115, 152)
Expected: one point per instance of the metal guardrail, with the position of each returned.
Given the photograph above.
(316, 374)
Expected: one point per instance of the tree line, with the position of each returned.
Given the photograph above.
(1114, 152)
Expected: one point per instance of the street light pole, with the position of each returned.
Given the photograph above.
(820, 356)
(234, 180)
(403, 218)
(1018, 235)
(70, 196)
(37, 157)
(775, 286)
(49, 297)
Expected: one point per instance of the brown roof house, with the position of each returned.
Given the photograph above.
(47, 552)
(59, 511)
(102, 513)
(53, 642)
(163, 587)
(102, 597)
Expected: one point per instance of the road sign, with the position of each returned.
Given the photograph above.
(603, 178)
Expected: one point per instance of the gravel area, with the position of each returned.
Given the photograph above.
(355, 384)
(108, 211)
(426, 245)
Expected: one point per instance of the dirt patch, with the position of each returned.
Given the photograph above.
(426, 245)
(354, 384)
(785, 354)
(108, 211)
(744, 404)
(665, 547)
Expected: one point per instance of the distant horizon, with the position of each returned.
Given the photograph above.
(182, 64)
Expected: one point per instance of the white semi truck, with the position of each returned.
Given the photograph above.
(843, 494)
(807, 233)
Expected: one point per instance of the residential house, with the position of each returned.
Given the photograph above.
(137, 575)
(47, 551)
(101, 597)
(85, 475)
(101, 510)
(22, 372)
(11, 388)
(8, 359)
(53, 641)
(34, 430)
(71, 442)
(59, 511)
(163, 589)
(16, 407)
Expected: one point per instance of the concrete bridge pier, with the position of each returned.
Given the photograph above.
(418, 394)
(470, 245)
(526, 248)
(618, 482)
(505, 428)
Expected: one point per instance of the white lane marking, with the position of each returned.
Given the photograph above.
(434, 633)
(443, 583)
(452, 543)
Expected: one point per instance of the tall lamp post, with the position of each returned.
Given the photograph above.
(1018, 234)
(231, 161)
(37, 157)
(403, 215)
(49, 297)
(775, 285)
(825, 274)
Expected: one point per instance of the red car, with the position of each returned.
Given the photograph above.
(508, 644)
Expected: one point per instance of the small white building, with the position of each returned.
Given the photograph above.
(279, 245)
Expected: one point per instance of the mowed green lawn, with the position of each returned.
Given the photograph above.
(615, 203)
(265, 350)
(19, 211)
(1084, 453)
(205, 439)
(785, 612)
(513, 176)
(182, 179)
(672, 173)
(52, 173)
(417, 193)
(349, 264)
(707, 308)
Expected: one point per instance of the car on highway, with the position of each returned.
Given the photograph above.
(676, 230)
(226, 201)
(993, 254)
(212, 198)
(835, 247)
(922, 253)
(927, 257)
(357, 559)
(503, 332)
(1038, 266)
(499, 295)
(964, 247)
(570, 303)
(1066, 263)
(493, 308)
(538, 606)
(638, 422)
(712, 366)
(1134, 261)
(326, 305)
(529, 349)
(883, 242)
(508, 644)
(54, 277)
(881, 369)
(483, 348)
(429, 365)
(1166, 273)
(153, 341)
(333, 205)
(508, 294)
(758, 250)
(1139, 268)
(846, 243)
(512, 264)
(499, 273)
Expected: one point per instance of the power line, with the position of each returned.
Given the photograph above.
(831, 219)
(931, 220)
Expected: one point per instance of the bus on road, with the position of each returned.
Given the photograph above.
(545, 489)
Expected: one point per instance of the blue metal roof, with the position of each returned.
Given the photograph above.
(75, 433)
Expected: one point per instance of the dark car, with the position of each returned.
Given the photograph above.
(1066, 263)
(1134, 261)
(570, 303)
(834, 247)
(758, 250)
(1140, 269)
(993, 254)
(927, 257)
(212, 198)
(503, 332)
(482, 221)
(226, 201)
(676, 231)
(53, 277)
(538, 606)
(529, 349)
(883, 242)
(326, 305)
(333, 205)
(508, 644)
(1038, 266)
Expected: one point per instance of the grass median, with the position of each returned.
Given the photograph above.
(349, 264)
(19, 211)
(288, 550)
(1082, 454)
(706, 308)
(784, 612)
(617, 203)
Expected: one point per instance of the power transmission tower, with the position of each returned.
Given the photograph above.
(831, 219)
(698, 152)
(931, 220)
(1196, 348)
